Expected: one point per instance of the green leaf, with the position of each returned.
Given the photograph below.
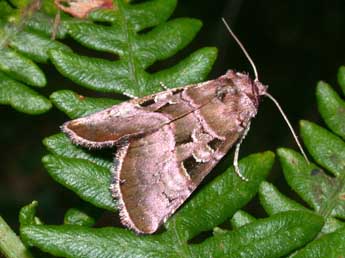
(331, 108)
(38, 48)
(192, 69)
(275, 202)
(271, 237)
(218, 200)
(75, 105)
(10, 244)
(41, 23)
(93, 243)
(21, 97)
(145, 15)
(330, 246)
(59, 144)
(322, 192)
(21, 68)
(5, 9)
(88, 180)
(20, 48)
(241, 218)
(27, 215)
(326, 148)
(25, 38)
(21, 3)
(136, 51)
(77, 217)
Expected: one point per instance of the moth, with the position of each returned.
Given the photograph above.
(166, 143)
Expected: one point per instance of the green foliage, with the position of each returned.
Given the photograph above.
(323, 192)
(10, 244)
(331, 245)
(277, 236)
(135, 51)
(21, 97)
(60, 145)
(241, 218)
(77, 217)
(20, 47)
(271, 237)
(75, 105)
(83, 177)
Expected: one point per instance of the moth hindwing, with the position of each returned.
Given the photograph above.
(168, 142)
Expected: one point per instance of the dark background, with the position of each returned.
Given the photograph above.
(293, 43)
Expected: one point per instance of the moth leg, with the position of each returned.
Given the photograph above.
(237, 152)
(164, 87)
(129, 95)
(165, 97)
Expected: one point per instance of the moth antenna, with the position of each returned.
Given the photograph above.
(289, 125)
(242, 48)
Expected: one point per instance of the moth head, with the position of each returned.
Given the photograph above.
(234, 83)
(252, 88)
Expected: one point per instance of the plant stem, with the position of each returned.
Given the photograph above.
(10, 244)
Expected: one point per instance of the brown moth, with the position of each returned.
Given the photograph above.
(166, 143)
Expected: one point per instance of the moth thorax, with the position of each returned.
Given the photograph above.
(234, 83)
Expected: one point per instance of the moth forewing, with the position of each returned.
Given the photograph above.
(168, 142)
(119, 122)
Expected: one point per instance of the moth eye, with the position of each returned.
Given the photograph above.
(220, 93)
(221, 96)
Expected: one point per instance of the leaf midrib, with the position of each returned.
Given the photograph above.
(129, 43)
